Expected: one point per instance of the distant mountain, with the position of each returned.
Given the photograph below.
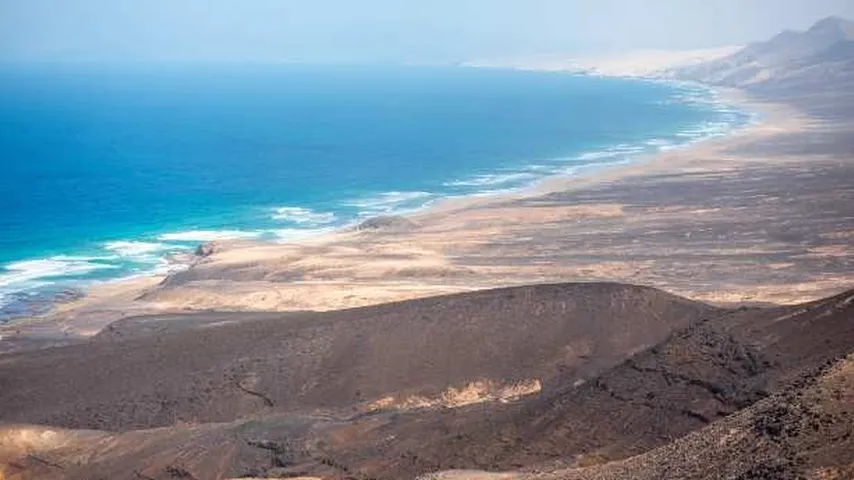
(822, 55)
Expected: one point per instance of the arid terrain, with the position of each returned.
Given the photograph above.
(547, 378)
(449, 344)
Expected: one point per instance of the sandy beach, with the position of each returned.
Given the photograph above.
(764, 215)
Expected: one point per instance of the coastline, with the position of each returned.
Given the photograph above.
(34, 285)
(634, 266)
(30, 280)
(474, 243)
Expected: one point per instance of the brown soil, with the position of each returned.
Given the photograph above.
(625, 373)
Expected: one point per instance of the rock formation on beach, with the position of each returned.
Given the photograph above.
(394, 222)
(205, 250)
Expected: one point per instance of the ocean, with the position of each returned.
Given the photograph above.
(107, 171)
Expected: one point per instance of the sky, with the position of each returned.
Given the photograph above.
(409, 31)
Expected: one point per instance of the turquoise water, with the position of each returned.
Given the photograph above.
(105, 171)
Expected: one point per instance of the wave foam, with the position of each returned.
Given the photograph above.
(208, 235)
(620, 150)
(302, 215)
(390, 202)
(25, 272)
(492, 180)
(137, 248)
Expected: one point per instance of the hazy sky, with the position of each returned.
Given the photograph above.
(384, 30)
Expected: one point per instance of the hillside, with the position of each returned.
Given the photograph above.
(801, 432)
(544, 378)
(151, 372)
(696, 377)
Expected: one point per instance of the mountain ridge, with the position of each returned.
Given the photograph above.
(785, 62)
(595, 415)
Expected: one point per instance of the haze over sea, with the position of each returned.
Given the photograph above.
(107, 171)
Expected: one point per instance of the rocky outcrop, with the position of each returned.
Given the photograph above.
(386, 223)
(205, 250)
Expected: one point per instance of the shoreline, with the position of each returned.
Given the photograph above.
(180, 255)
(464, 244)
(597, 172)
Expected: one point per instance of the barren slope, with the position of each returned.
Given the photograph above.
(156, 371)
(806, 431)
(736, 367)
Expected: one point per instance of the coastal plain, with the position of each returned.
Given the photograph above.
(764, 215)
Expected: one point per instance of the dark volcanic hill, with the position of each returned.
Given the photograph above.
(155, 371)
(402, 390)
(694, 378)
(801, 432)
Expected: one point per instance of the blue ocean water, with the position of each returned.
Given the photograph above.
(106, 171)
